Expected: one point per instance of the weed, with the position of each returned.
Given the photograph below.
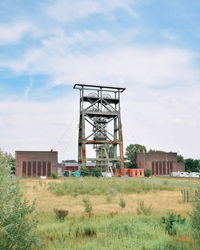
(87, 204)
(60, 213)
(195, 218)
(170, 222)
(54, 175)
(142, 209)
(88, 231)
(122, 203)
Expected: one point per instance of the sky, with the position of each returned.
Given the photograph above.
(150, 47)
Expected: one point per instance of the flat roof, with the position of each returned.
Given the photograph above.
(31, 151)
(76, 85)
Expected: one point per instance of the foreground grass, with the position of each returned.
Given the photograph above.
(112, 231)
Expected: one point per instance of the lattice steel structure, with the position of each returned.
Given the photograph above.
(100, 109)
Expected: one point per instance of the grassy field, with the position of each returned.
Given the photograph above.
(108, 225)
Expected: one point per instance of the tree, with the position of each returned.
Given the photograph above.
(9, 159)
(84, 171)
(17, 229)
(130, 153)
(96, 172)
(147, 172)
(192, 165)
(180, 158)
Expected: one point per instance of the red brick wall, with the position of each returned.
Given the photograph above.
(36, 163)
(159, 163)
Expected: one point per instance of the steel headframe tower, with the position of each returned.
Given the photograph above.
(100, 107)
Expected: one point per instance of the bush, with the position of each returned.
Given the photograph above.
(96, 172)
(170, 222)
(54, 175)
(195, 217)
(87, 204)
(142, 209)
(60, 213)
(84, 171)
(147, 172)
(17, 229)
(122, 203)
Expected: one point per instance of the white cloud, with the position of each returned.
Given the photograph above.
(70, 10)
(13, 32)
(155, 66)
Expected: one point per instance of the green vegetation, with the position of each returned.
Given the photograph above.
(87, 204)
(122, 203)
(130, 153)
(60, 213)
(93, 186)
(192, 165)
(84, 171)
(144, 210)
(195, 218)
(106, 225)
(112, 231)
(54, 175)
(17, 226)
(96, 172)
(180, 158)
(9, 160)
(147, 172)
(171, 221)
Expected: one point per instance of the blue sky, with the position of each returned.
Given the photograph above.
(150, 47)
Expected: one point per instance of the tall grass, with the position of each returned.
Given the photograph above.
(94, 186)
(123, 231)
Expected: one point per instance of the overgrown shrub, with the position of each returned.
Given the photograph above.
(96, 172)
(195, 217)
(147, 172)
(84, 171)
(54, 175)
(87, 204)
(170, 222)
(122, 203)
(60, 213)
(17, 229)
(142, 209)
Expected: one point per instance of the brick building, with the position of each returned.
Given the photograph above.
(72, 165)
(160, 163)
(36, 163)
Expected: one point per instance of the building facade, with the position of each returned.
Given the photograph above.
(36, 163)
(160, 163)
(73, 166)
